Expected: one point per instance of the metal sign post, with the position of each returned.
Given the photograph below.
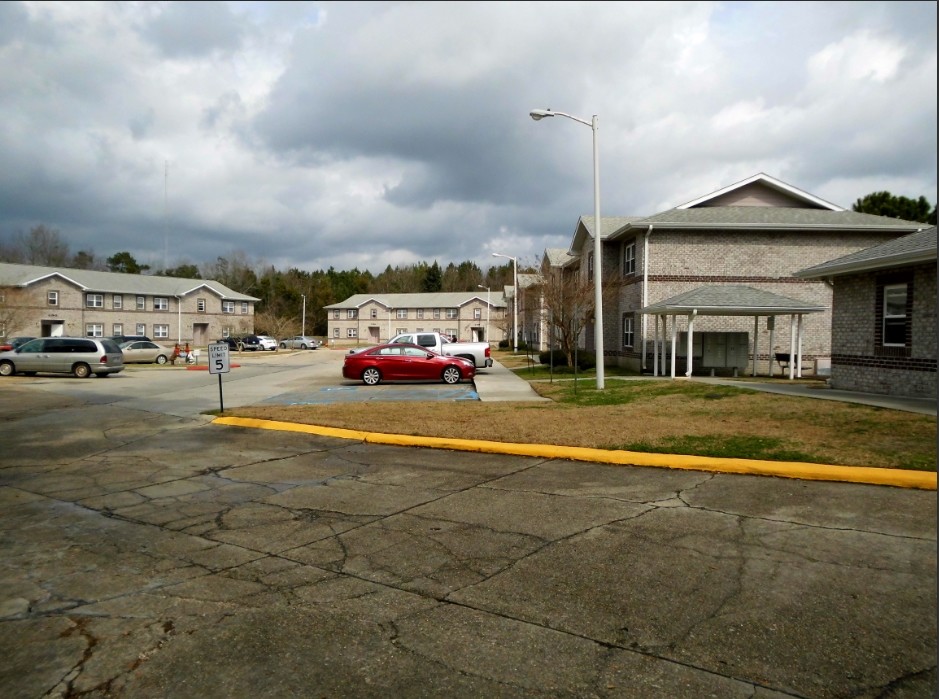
(219, 364)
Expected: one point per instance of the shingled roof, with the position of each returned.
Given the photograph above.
(911, 249)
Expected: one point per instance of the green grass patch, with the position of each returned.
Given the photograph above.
(625, 392)
(727, 447)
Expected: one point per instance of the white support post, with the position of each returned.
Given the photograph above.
(655, 346)
(799, 347)
(772, 353)
(792, 347)
(756, 341)
(674, 341)
(690, 363)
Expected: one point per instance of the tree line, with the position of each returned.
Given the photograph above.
(281, 292)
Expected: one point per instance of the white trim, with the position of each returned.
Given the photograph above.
(771, 182)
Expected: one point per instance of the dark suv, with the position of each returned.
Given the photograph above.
(232, 342)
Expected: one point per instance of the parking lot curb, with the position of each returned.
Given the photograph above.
(781, 469)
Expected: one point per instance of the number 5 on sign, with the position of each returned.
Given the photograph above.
(219, 364)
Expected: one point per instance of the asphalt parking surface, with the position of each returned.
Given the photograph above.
(147, 552)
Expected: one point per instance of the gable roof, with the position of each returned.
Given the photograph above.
(608, 226)
(730, 300)
(443, 299)
(558, 257)
(916, 248)
(766, 218)
(116, 282)
(799, 198)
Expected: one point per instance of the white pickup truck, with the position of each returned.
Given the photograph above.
(477, 352)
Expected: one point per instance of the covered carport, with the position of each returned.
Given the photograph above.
(726, 300)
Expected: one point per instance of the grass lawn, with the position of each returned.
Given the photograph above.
(674, 417)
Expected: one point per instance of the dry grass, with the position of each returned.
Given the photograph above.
(675, 417)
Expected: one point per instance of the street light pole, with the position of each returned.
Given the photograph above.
(514, 298)
(537, 115)
(488, 307)
(303, 317)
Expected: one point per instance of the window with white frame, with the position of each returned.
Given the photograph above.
(373, 313)
(161, 303)
(452, 313)
(52, 298)
(335, 332)
(228, 306)
(629, 258)
(161, 331)
(895, 319)
(351, 313)
(336, 314)
(420, 314)
(401, 314)
(244, 307)
(351, 332)
(628, 330)
(117, 329)
(94, 301)
(477, 313)
(590, 264)
(94, 330)
(3, 329)
(451, 332)
(141, 303)
(117, 301)
(200, 305)
(142, 329)
(400, 331)
(436, 314)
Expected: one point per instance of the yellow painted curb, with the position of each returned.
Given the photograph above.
(781, 469)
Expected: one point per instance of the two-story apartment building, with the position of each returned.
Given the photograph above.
(55, 301)
(375, 318)
(746, 239)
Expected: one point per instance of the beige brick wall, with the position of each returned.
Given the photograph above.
(683, 261)
(75, 317)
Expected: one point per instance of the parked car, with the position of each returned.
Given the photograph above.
(145, 352)
(81, 356)
(121, 339)
(299, 342)
(267, 343)
(258, 342)
(14, 342)
(403, 362)
(233, 343)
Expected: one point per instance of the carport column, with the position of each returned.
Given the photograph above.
(691, 317)
(674, 341)
(655, 346)
(771, 322)
(799, 350)
(756, 340)
(792, 346)
(664, 341)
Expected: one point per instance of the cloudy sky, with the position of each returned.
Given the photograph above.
(354, 134)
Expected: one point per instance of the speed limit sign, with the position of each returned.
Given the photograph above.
(218, 358)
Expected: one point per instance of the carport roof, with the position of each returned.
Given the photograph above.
(730, 300)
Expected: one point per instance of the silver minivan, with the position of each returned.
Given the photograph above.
(81, 356)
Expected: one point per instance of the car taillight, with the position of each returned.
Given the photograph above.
(488, 353)
(104, 359)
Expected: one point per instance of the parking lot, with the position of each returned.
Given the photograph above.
(147, 552)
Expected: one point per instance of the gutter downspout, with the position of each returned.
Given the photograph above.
(645, 291)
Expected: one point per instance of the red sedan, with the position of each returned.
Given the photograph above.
(403, 362)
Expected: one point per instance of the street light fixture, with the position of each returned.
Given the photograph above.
(303, 317)
(514, 298)
(488, 308)
(538, 115)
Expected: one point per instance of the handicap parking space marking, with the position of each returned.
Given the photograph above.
(383, 393)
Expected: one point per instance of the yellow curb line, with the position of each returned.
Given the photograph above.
(782, 469)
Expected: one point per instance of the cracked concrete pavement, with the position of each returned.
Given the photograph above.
(147, 553)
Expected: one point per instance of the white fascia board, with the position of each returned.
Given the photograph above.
(769, 181)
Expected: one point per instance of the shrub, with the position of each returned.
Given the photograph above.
(553, 358)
